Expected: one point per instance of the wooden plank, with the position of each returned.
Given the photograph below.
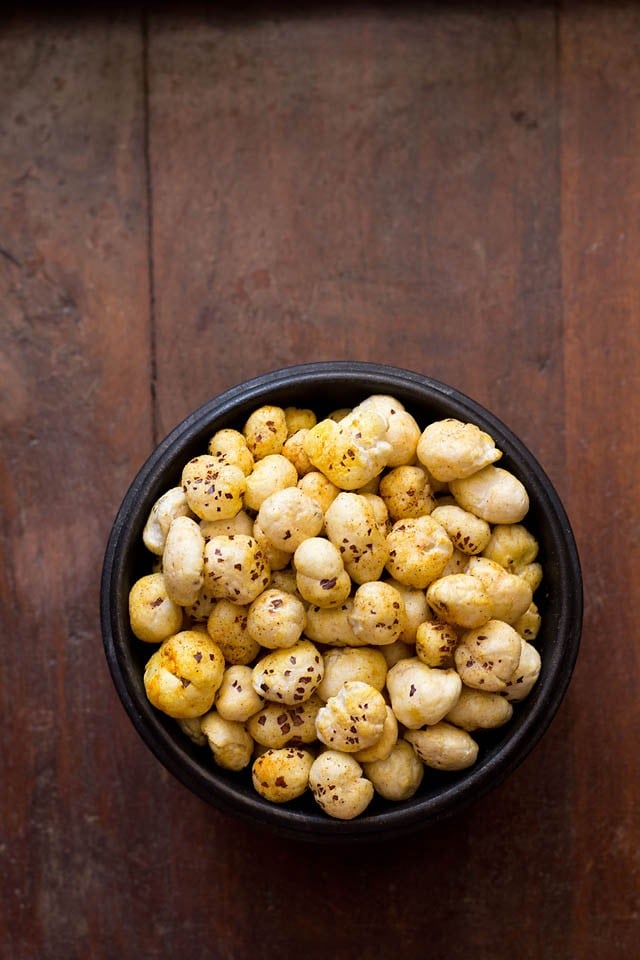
(75, 424)
(601, 212)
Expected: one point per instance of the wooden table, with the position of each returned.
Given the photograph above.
(188, 199)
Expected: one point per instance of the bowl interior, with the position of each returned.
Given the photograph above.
(324, 387)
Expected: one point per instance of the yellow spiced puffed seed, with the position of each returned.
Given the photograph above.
(265, 431)
(154, 616)
(283, 774)
(213, 489)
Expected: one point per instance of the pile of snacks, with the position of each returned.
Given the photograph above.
(340, 603)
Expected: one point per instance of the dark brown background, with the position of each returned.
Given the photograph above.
(188, 199)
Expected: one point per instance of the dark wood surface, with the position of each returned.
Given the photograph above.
(191, 198)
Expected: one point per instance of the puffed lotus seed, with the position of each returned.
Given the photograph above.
(325, 583)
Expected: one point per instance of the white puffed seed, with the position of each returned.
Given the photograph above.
(420, 694)
(338, 786)
(403, 431)
(236, 699)
(399, 775)
(352, 719)
(282, 775)
(153, 615)
(235, 568)
(270, 474)
(522, 681)
(444, 747)
(230, 447)
(509, 595)
(331, 626)
(406, 492)
(467, 532)
(170, 505)
(342, 664)
(276, 619)
(487, 657)
(317, 558)
(328, 592)
(230, 744)
(419, 549)
(460, 599)
(265, 431)
(451, 449)
(183, 676)
(378, 614)
(352, 527)
(320, 575)
(213, 490)
(183, 561)
(290, 675)
(288, 517)
(479, 710)
(493, 494)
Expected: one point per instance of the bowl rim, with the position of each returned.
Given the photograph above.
(502, 759)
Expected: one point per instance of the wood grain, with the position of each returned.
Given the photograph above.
(75, 385)
(601, 209)
(190, 199)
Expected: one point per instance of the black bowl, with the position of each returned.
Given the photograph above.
(323, 387)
